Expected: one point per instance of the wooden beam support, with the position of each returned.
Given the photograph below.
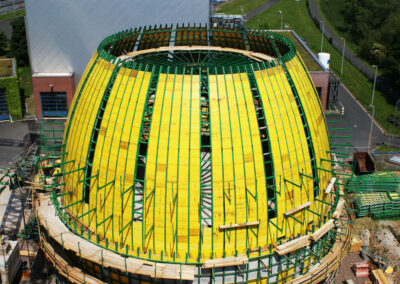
(224, 262)
(330, 185)
(323, 230)
(239, 225)
(297, 209)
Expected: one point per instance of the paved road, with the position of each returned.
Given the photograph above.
(260, 9)
(359, 121)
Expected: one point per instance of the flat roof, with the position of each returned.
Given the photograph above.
(46, 74)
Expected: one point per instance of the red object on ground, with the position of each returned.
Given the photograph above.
(361, 269)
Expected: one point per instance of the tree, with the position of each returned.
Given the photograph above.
(3, 43)
(18, 45)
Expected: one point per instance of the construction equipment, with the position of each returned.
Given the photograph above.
(363, 163)
(376, 182)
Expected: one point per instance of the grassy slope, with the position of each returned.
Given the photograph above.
(233, 7)
(297, 17)
(10, 15)
(331, 11)
(308, 60)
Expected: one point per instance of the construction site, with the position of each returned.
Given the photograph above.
(199, 155)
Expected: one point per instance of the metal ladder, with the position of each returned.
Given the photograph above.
(206, 200)
(265, 142)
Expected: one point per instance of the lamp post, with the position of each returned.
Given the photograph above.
(373, 109)
(242, 11)
(322, 35)
(344, 46)
(280, 12)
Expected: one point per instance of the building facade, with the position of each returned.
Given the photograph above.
(62, 36)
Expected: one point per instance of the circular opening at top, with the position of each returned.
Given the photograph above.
(196, 47)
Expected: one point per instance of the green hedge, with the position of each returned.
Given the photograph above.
(13, 96)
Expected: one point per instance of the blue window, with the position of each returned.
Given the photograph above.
(3, 105)
(54, 103)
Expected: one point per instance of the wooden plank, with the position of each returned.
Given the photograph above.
(293, 245)
(60, 233)
(26, 253)
(330, 185)
(339, 208)
(239, 225)
(224, 262)
(323, 230)
(257, 56)
(297, 209)
(379, 276)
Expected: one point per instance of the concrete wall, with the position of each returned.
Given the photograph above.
(63, 34)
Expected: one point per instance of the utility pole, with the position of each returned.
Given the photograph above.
(280, 12)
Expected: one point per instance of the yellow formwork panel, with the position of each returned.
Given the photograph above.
(234, 131)
(151, 164)
(282, 127)
(217, 165)
(318, 129)
(314, 102)
(249, 144)
(115, 157)
(81, 129)
(298, 151)
(173, 168)
(233, 173)
(246, 106)
(189, 169)
(276, 152)
(73, 132)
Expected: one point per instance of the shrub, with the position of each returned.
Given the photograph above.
(13, 96)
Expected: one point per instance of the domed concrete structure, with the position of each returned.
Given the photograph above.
(199, 147)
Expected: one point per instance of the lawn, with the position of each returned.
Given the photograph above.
(233, 7)
(5, 68)
(296, 16)
(10, 15)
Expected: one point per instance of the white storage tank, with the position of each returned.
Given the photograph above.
(324, 58)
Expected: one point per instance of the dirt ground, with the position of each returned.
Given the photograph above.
(381, 162)
(383, 239)
(346, 272)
